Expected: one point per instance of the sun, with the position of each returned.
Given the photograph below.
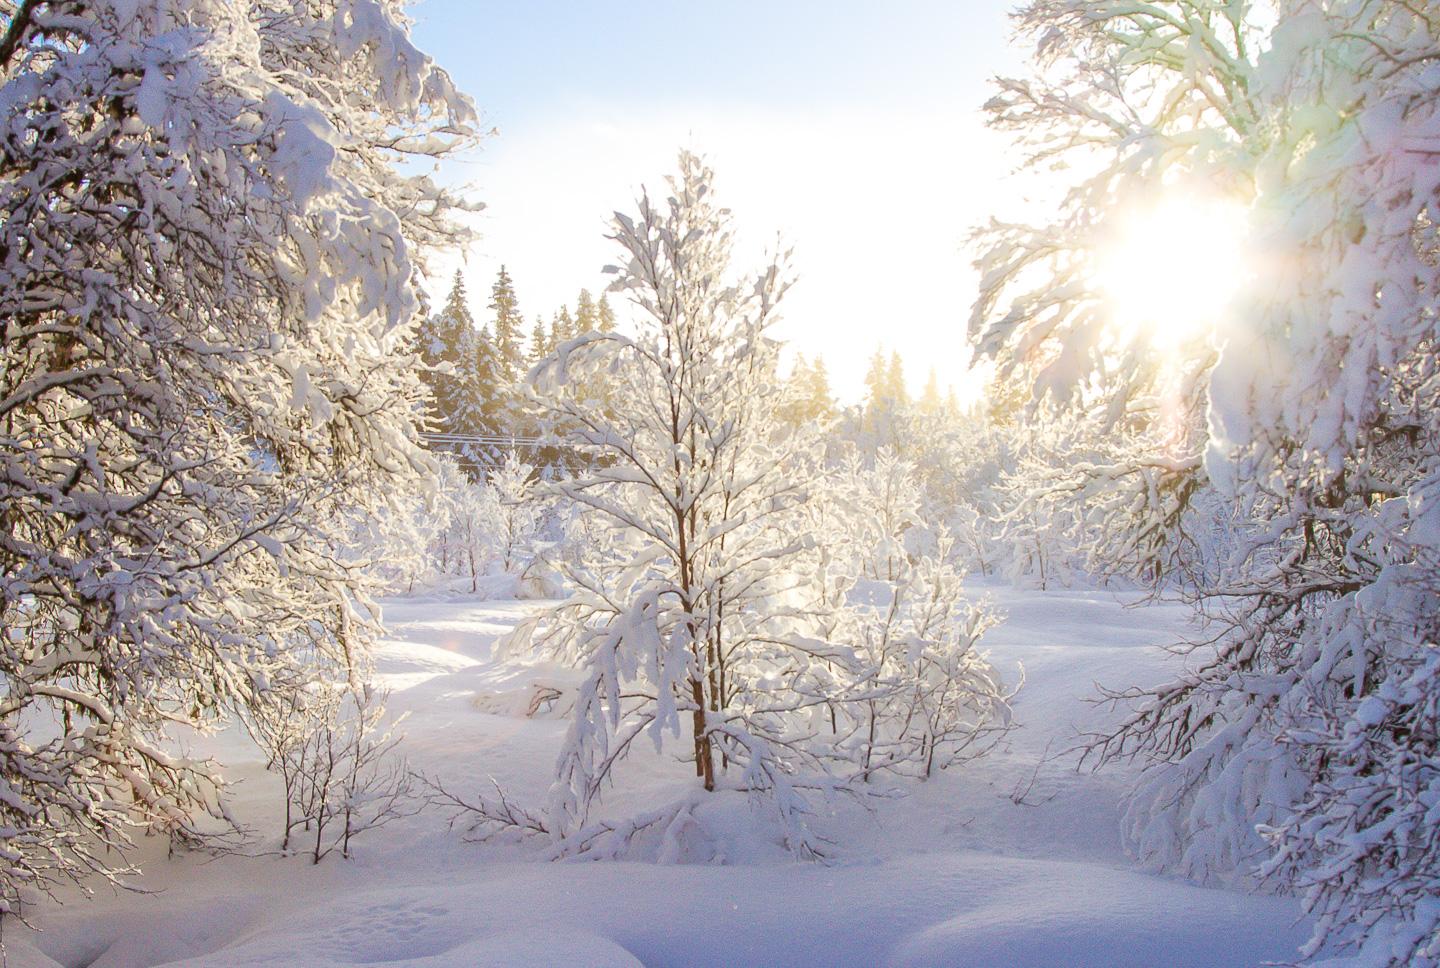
(1171, 269)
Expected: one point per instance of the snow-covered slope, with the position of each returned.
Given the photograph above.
(1014, 861)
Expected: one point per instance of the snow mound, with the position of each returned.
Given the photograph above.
(1013, 860)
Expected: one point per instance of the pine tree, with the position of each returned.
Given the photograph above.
(587, 319)
(819, 393)
(895, 380)
(886, 399)
(604, 316)
(540, 342)
(562, 327)
(931, 403)
(506, 331)
(447, 347)
(875, 377)
(794, 410)
(495, 388)
(808, 397)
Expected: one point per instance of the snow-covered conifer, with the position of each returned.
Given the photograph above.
(447, 343)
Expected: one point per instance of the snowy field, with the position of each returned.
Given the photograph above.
(1012, 861)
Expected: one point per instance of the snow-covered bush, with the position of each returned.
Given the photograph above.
(468, 535)
(499, 527)
(922, 696)
(519, 517)
(335, 755)
(206, 275)
(925, 697)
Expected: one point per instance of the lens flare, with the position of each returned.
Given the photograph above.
(1171, 270)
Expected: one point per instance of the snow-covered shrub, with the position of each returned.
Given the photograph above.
(335, 755)
(499, 527)
(880, 500)
(206, 276)
(926, 697)
(520, 514)
(922, 695)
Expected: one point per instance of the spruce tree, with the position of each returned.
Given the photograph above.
(540, 341)
(508, 324)
(494, 384)
(879, 398)
(822, 401)
(808, 397)
(795, 410)
(875, 378)
(604, 316)
(446, 347)
(895, 380)
(930, 400)
(587, 318)
(562, 327)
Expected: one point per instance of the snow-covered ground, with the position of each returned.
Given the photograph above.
(1015, 861)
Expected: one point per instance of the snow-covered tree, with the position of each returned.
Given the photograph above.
(209, 219)
(507, 329)
(688, 613)
(687, 621)
(1305, 711)
(469, 539)
(448, 345)
(807, 391)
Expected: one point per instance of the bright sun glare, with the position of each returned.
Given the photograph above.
(1172, 269)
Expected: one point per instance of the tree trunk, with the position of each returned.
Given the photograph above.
(704, 756)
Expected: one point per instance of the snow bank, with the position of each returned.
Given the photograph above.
(1014, 861)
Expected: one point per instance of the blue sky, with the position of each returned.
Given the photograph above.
(851, 128)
